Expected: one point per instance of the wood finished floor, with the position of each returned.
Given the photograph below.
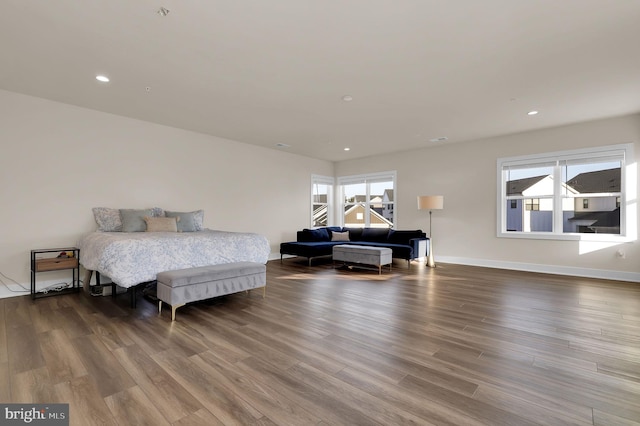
(454, 345)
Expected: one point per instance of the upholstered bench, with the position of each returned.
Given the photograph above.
(179, 287)
(366, 255)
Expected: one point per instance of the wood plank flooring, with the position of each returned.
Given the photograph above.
(454, 345)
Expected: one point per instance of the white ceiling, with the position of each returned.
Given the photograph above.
(267, 72)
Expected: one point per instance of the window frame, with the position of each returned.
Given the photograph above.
(628, 191)
(331, 183)
(367, 180)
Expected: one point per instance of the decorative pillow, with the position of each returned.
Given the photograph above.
(162, 224)
(133, 220)
(189, 221)
(340, 236)
(199, 219)
(157, 212)
(108, 220)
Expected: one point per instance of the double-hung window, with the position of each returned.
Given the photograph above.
(569, 194)
(321, 200)
(368, 200)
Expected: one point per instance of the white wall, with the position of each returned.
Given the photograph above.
(465, 173)
(58, 161)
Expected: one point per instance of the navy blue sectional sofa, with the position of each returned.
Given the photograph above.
(319, 242)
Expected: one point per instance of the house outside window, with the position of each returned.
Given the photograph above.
(368, 200)
(321, 200)
(532, 204)
(569, 194)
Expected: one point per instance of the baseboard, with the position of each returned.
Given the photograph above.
(545, 269)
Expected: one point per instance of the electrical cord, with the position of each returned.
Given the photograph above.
(24, 289)
(53, 287)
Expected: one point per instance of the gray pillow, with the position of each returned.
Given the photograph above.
(189, 221)
(133, 220)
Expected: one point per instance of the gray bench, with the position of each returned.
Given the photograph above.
(366, 255)
(179, 287)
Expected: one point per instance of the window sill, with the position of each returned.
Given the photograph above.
(567, 237)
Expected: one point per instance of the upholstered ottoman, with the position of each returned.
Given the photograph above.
(366, 255)
(179, 287)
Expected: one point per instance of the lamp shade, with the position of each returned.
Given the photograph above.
(430, 202)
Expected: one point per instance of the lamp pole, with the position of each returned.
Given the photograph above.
(430, 202)
(430, 262)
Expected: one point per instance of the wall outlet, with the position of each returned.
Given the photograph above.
(621, 254)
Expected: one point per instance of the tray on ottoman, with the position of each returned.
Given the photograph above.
(365, 255)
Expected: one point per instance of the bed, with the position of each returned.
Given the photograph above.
(132, 258)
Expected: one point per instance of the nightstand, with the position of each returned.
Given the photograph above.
(47, 260)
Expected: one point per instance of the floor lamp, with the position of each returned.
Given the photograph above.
(430, 202)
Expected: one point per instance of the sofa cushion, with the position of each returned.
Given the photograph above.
(310, 235)
(355, 234)
(308, 249)
(374, 235)
(403, 237)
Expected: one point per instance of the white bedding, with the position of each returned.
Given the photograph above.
(131, 258)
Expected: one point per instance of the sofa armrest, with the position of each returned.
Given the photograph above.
(420, 246)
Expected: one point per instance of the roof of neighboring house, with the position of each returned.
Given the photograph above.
(389, 194)
(598, 181)
(602, 219)
(516, 187)
(363, 199)
(320, 214)
(375, 216)
(319, 198)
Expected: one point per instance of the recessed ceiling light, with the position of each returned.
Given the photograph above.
(102, 78)
(347, 149)
(347, 98)
(532, 112)
(440, 139)
(163, 11)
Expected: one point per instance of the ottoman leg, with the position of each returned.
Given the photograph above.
(173, 311)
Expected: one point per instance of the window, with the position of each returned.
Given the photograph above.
(321, 200)
(368, 200)
(568, 194)
(532, 204)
